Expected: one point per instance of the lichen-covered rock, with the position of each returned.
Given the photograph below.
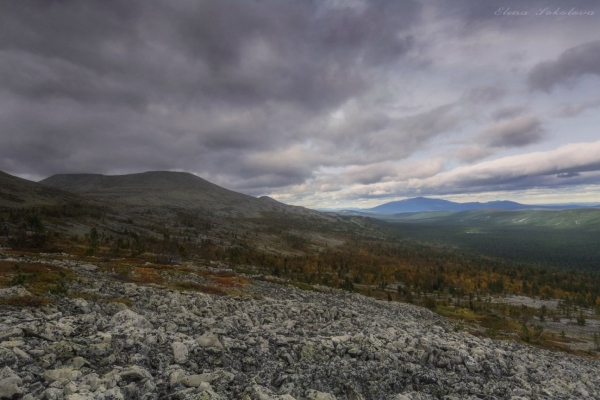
(111, 394)
(135, 373)
(10, 333)
(14, 291)
(62, 375)
(7, 358)
(10, 384)
(209, 340)
(180, 352)
(257, 392)
(128, 318)
(316, 395)
(80, 396)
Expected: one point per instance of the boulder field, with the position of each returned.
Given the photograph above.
(274, 342)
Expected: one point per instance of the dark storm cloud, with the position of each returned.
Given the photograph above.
(517, 132)
(111, 86)
(571, 65)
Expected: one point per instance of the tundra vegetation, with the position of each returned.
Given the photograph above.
(163, 285)
(481, 290)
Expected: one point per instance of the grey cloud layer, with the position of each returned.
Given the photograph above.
(109, 86)
(271, 96)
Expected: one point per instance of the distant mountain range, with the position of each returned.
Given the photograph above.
(424, 204)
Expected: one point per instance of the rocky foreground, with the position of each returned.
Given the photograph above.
(276, 342)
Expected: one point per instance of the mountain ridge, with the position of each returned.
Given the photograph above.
(168, 189)
(18, 192)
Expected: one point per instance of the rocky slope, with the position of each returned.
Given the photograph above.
(270, 341)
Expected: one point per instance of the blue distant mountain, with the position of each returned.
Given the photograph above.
(421, 204)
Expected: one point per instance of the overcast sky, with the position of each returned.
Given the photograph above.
(318, 103)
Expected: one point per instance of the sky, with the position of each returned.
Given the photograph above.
(329, 103)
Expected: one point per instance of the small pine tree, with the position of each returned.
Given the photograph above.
(94, 237)
(526, 335)
(538, 332)
(94, 241)
(61, 285)
(543, 312)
